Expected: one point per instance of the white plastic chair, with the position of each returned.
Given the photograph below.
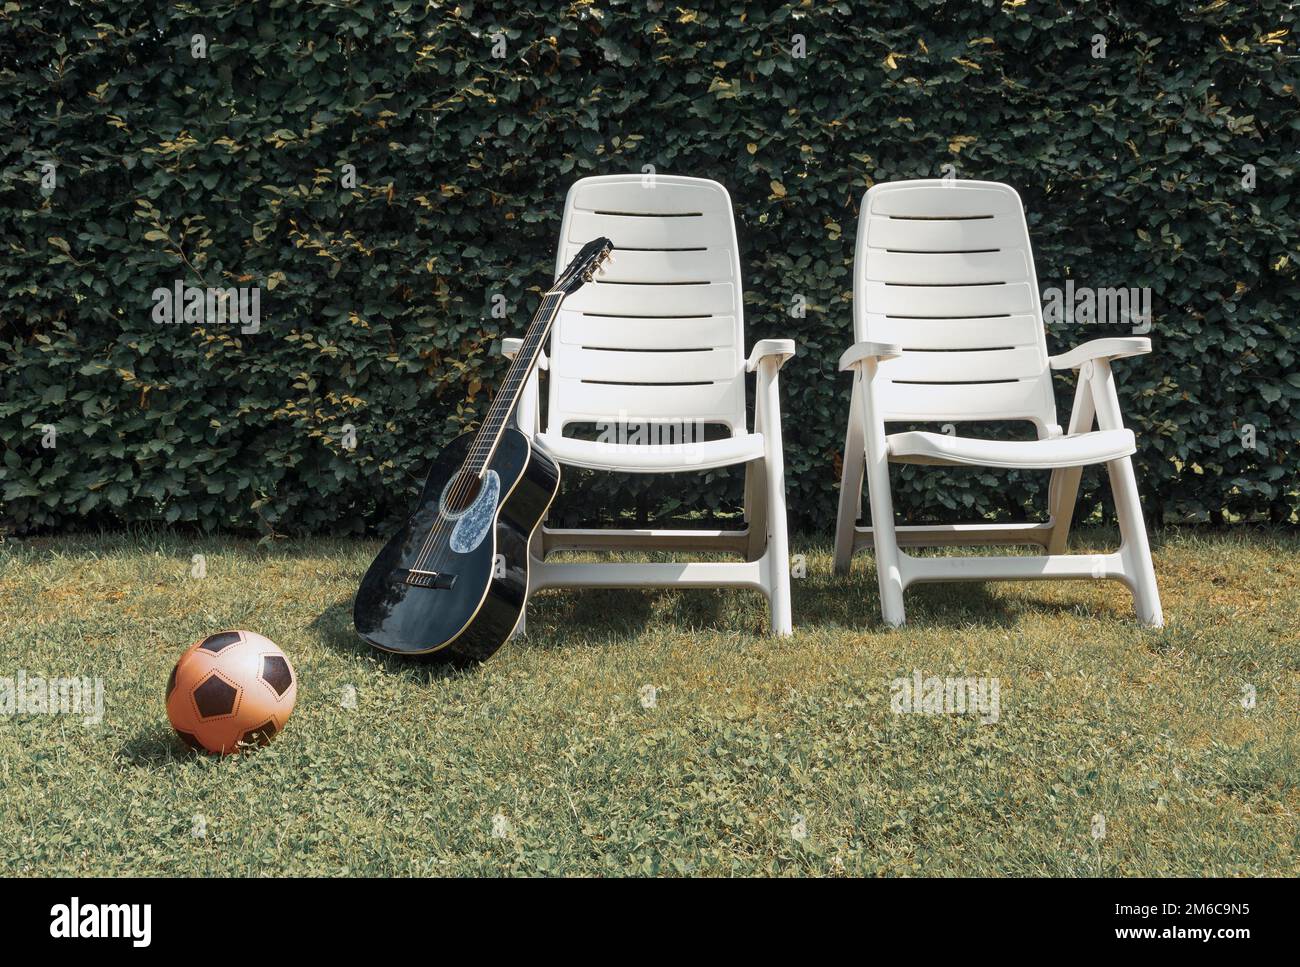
(658, 339)
(948, 327)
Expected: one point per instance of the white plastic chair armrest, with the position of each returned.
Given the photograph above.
(510, 347)
(783, 349)
(860, 352)
(1115, 347)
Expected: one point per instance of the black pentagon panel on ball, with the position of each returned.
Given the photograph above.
(215, 696)
(262, 735)
(276, 673)
(221, 640)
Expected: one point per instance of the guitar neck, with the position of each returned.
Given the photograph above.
(503, 405)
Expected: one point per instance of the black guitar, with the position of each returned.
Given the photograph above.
(451, 585)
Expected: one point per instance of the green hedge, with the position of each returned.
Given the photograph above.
(226, 170)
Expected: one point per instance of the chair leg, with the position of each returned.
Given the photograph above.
(756, 506)
(888, 574)
(888, 563)
(1135, 547)
(768, 414)
(778, 549)
(1063, 493)
(850, 488)
(536, 552)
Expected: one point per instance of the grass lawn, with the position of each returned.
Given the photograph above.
(758, 756)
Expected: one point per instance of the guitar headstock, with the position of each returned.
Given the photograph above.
(584, 265)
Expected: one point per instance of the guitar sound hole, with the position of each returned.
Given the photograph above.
(460, 492)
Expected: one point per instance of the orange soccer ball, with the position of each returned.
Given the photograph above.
(231, 689)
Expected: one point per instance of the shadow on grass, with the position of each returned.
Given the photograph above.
(599, 616)
(155, 746)
(853, 601)
(333, 628)
(568, 618)
(593, 617)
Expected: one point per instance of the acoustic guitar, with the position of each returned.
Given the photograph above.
(451, 585)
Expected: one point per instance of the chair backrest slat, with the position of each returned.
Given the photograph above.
(659, 335)
(945, 270)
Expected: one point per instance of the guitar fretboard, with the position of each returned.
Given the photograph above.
(489, 434)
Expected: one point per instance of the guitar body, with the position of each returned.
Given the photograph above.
(451, 585)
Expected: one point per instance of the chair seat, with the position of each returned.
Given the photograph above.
(1076, 450)
(637, 458)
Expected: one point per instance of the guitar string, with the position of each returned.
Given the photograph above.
(518, 374)
(463, 481)
(480, 451)
(488, 437)
(520, 371)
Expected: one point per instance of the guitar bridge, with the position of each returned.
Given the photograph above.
(439, 580)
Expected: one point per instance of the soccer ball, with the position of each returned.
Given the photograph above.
(231, 689)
